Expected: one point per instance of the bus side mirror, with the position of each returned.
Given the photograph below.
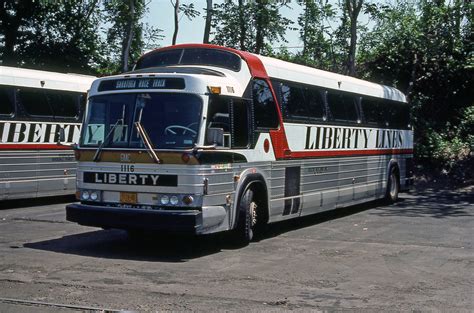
(61, 136)
(215, 136)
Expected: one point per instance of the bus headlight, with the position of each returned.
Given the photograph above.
(85, 195)
(94, 196)
(165, 199)
(174, 200)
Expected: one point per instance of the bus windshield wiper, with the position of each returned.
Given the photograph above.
(142, 131)
(106, 139)
(146, 140)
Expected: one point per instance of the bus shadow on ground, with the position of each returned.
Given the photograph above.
(116, 244)
(33, 202)
(432, 203)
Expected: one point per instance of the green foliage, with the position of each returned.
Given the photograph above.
(58, 36)
(314, 33)
(425, 50)
(249, 25)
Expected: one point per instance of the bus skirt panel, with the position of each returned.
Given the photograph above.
(206, 220)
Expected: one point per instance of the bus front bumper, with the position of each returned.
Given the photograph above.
(204, 221)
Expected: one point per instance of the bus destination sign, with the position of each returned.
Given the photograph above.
(142, 83)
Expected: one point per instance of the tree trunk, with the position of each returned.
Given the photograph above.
(242, 27)
(305, 29)
(127, 40)
(176, 20)
(207, 27)
(259, 24)
(353, 8)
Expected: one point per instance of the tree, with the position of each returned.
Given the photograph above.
(14, 15)
(314, 33)
(62, 36)
(127, 36)
(207, 27)
(250, 25)
(187, 10)
(426, 51)
(352, 8)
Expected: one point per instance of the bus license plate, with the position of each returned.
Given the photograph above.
(128, 197)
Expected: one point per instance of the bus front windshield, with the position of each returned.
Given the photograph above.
(170, 120)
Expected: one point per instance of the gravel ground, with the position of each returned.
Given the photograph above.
(415, 255)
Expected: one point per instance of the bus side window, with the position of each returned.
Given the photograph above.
(64, 104)
(398, 115)
(374, 111)
(240, 123)
(264, 107)
(301, 103)
(343, 107)
(35, 102)
(6, 101)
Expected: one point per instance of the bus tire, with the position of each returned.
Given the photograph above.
(393, 185)
(246, 225)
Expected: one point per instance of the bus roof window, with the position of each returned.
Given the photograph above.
(190, 56)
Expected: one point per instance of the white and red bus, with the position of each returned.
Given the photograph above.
(204, 139)
(34, 106)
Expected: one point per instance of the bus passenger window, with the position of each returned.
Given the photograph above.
(301, 103)
(373, 109)
(343, 107)
(265, 111)
(6, 101)
(64, 104)
(398, 114)
(35, 102)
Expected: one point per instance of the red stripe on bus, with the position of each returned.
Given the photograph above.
(14, 146)
(332, 153)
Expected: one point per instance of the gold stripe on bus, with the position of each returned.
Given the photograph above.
(138, 157)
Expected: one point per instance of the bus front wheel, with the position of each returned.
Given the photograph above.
(247, 222)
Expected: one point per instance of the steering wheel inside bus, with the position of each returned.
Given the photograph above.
(168, 130)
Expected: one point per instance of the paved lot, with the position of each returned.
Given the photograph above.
(414, 255)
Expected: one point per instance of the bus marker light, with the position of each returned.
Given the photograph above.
(266, 145)
(215, 90)
(185, 157)
(188, 200)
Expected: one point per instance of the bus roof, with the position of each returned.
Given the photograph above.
(12, 76)
(307, 75)
(266, 67)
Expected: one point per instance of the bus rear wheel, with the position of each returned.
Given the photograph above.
(393, 186)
